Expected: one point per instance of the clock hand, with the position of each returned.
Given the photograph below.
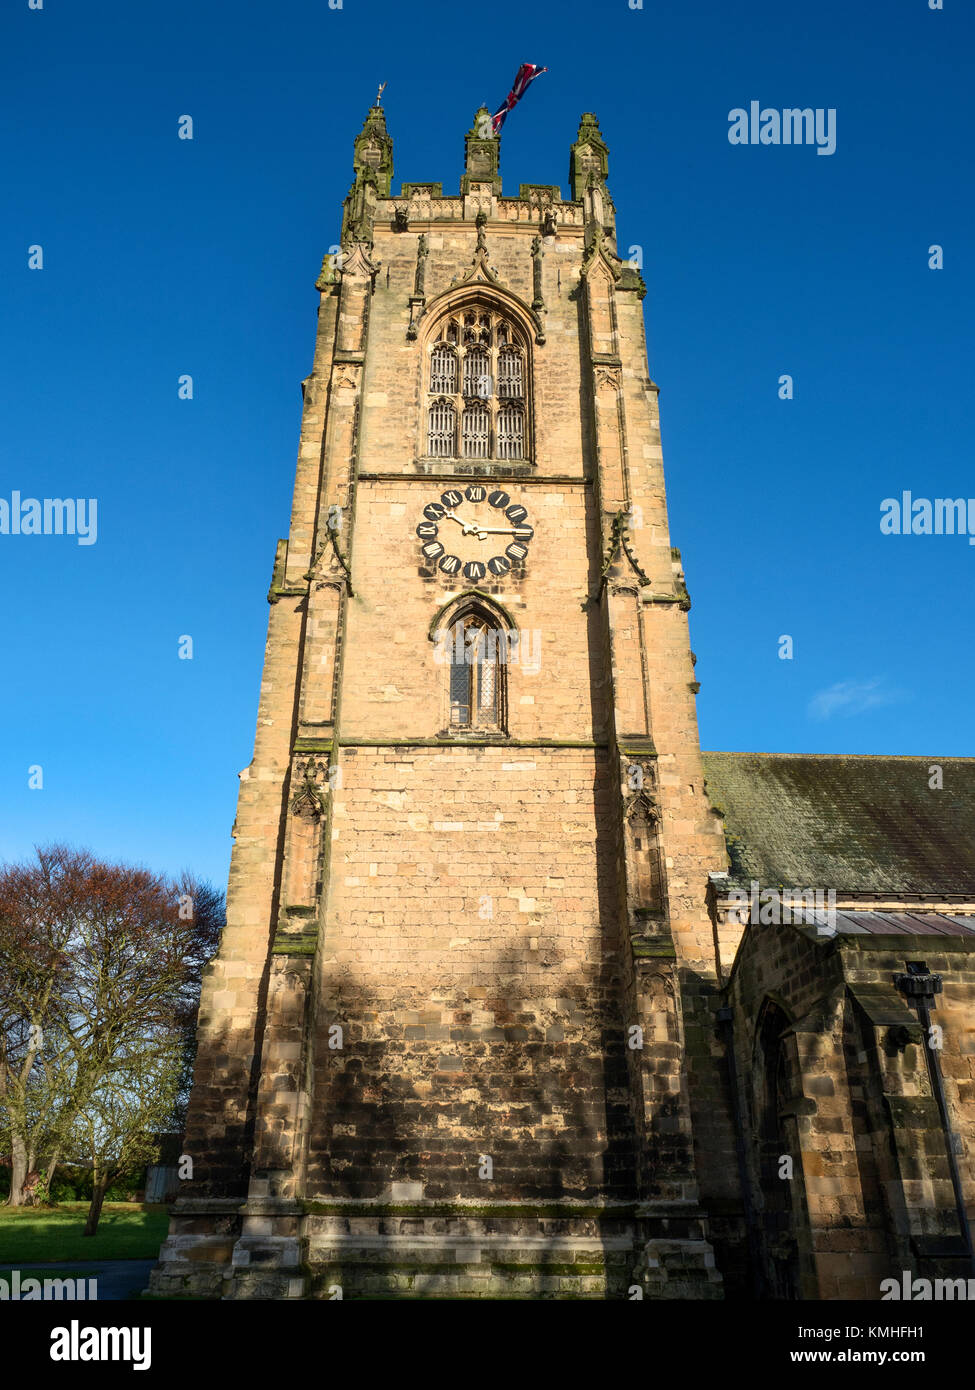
(471, 528)
(468, 527)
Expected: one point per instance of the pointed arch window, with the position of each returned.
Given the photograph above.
(478, 670)
(478, 369)
(442, 430)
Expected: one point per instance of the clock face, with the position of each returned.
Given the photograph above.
(476, 533)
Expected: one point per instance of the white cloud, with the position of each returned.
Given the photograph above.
(852, 697)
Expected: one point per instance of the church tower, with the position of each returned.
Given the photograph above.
(458, 1037)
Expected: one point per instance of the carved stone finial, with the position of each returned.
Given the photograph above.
(589, 155)
(372, 165)
(481, 154)
(330, 272)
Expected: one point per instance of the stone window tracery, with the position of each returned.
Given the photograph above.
(477, 374)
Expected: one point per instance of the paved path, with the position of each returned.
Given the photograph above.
(117, 1279)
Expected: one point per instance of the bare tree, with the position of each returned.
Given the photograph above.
(118, 1129)
(100, 971)
(39, 907)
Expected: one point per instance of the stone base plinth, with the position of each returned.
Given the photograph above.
(375, 1250)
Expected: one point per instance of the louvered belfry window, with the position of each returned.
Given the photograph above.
(443, 370)
(510, 381)
(477, 431)
(511, 432)
(477, 374)
(442, 433)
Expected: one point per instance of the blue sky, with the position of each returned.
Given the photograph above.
(164, 257)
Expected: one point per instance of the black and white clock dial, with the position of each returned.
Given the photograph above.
(460, 534)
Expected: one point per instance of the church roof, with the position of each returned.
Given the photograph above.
(902, 924)
(856, 823)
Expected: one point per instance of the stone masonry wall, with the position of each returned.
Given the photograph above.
(475, 979)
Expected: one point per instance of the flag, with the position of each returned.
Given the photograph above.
(525, 74)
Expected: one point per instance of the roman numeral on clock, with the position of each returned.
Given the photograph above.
(462, 514)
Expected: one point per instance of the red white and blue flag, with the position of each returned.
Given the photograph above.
(525, 75)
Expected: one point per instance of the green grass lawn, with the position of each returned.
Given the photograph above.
(127, 1231)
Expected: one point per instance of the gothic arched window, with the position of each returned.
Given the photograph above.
(442, 430)
(478, 668)
(479, 374)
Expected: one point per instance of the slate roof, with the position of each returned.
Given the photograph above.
(903, 923)
(856, 823)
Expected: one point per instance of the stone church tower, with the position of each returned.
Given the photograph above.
(459, 1035)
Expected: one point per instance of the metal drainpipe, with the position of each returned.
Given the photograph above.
(921, 986)
(726, 1021)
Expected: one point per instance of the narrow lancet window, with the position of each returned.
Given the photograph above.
(477, 674)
